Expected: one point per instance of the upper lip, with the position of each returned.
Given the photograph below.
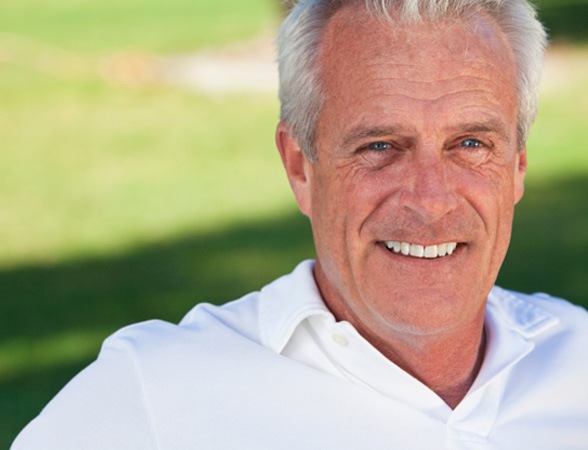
(420, 250)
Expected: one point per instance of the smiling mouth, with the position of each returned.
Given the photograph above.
(421, 251)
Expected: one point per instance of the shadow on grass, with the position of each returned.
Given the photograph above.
(548, 253)
(566, 20)
(549, 247)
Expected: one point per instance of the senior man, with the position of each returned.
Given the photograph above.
(403, 137)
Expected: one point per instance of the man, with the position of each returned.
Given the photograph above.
(403, 137)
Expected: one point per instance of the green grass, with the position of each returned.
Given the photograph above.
(149, 25)
(91, 168)
(120, 203)
(555, 146)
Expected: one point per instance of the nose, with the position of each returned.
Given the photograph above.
(428, 193)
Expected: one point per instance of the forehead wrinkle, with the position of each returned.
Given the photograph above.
(391, 114)
(391, 119)
(470, 68)
(428, 90)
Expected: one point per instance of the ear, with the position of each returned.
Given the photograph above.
(297, 167)
(520, 171)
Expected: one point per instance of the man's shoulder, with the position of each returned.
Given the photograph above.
(544, 338)
(205, 327)
(534, 314)
(156, 376)
(256, 317)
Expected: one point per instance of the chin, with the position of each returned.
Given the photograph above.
(428, 311)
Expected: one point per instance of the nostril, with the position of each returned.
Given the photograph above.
(430, 206)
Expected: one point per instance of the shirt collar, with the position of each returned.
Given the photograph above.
(288, 301)
(512, 322)
(519, 313)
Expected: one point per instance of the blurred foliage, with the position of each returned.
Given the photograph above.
(565, 20)
(550, 240)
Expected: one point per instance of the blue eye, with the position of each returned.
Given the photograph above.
(471, 143)
(378, 146)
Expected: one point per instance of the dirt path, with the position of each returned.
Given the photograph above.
(250, 67)
(244, 67)
(239, 68)
(565, 67)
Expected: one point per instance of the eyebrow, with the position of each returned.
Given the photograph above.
(486, 126)
(363, 132)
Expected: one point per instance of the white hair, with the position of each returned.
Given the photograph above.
(300, 35)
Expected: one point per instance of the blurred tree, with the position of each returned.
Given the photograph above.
(566, 20)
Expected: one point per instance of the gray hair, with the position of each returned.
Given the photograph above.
(299, 38)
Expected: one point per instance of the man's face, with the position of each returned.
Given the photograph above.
(417, 152)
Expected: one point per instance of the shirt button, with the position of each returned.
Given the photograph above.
(340, 339)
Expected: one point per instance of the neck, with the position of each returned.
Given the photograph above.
(447, 364)
(446, 359)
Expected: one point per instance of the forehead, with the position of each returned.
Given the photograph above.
(353, 35)
(364, 57)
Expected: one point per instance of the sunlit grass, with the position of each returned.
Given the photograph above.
(90, 168)
(556, 147)
(158, 26)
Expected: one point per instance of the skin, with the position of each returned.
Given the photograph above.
(416, 142)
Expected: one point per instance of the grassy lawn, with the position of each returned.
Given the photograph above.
(120, 203)
(98, 27)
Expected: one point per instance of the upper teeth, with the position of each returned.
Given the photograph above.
(422, 251)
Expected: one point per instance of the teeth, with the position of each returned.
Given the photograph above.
(417, 250)
(451, 247)
(431, 251)
(421, 251)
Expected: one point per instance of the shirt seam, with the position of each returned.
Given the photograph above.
(531, 328)
(137, 372)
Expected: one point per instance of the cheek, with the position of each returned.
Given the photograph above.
(493, 200)
(340, 192)
(341, 204)
(327, 211)
(491, 186)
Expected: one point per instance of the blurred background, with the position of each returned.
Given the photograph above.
(138, 174)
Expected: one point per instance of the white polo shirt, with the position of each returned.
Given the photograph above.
(274, 370)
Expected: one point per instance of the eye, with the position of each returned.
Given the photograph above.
(471, 143)
(378, 146)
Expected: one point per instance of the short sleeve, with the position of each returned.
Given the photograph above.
(103, 407)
